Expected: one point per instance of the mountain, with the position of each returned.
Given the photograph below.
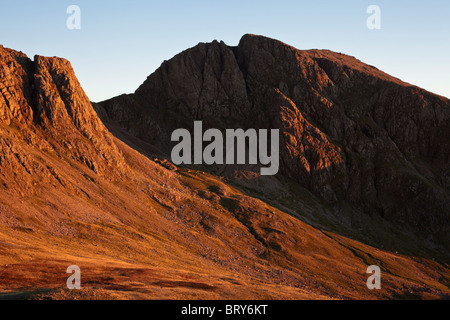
(350, 134)
(76, 190)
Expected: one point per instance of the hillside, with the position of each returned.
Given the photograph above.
(103, 196)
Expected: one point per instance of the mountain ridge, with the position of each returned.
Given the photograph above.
(341, 121)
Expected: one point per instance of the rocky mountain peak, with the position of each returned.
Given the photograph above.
(45, 102)
(350, 133)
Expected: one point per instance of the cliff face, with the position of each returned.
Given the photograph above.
(15, 86)
(44, 102)
(349, 133)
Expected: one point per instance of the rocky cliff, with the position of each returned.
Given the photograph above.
(350, 133)
(44, 102)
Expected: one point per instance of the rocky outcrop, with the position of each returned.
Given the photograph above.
(349, 132)
(16, 79)
(64, 110)
(43, 107)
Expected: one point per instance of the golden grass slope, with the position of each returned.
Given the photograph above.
(156, 231)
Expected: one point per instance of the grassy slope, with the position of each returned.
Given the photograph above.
(178, 233)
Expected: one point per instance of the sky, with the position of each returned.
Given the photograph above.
(121, 42)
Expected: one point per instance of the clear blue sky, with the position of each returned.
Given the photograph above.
(121, 42)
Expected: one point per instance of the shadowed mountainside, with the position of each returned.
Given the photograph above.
(139, 227)
(350, 134)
